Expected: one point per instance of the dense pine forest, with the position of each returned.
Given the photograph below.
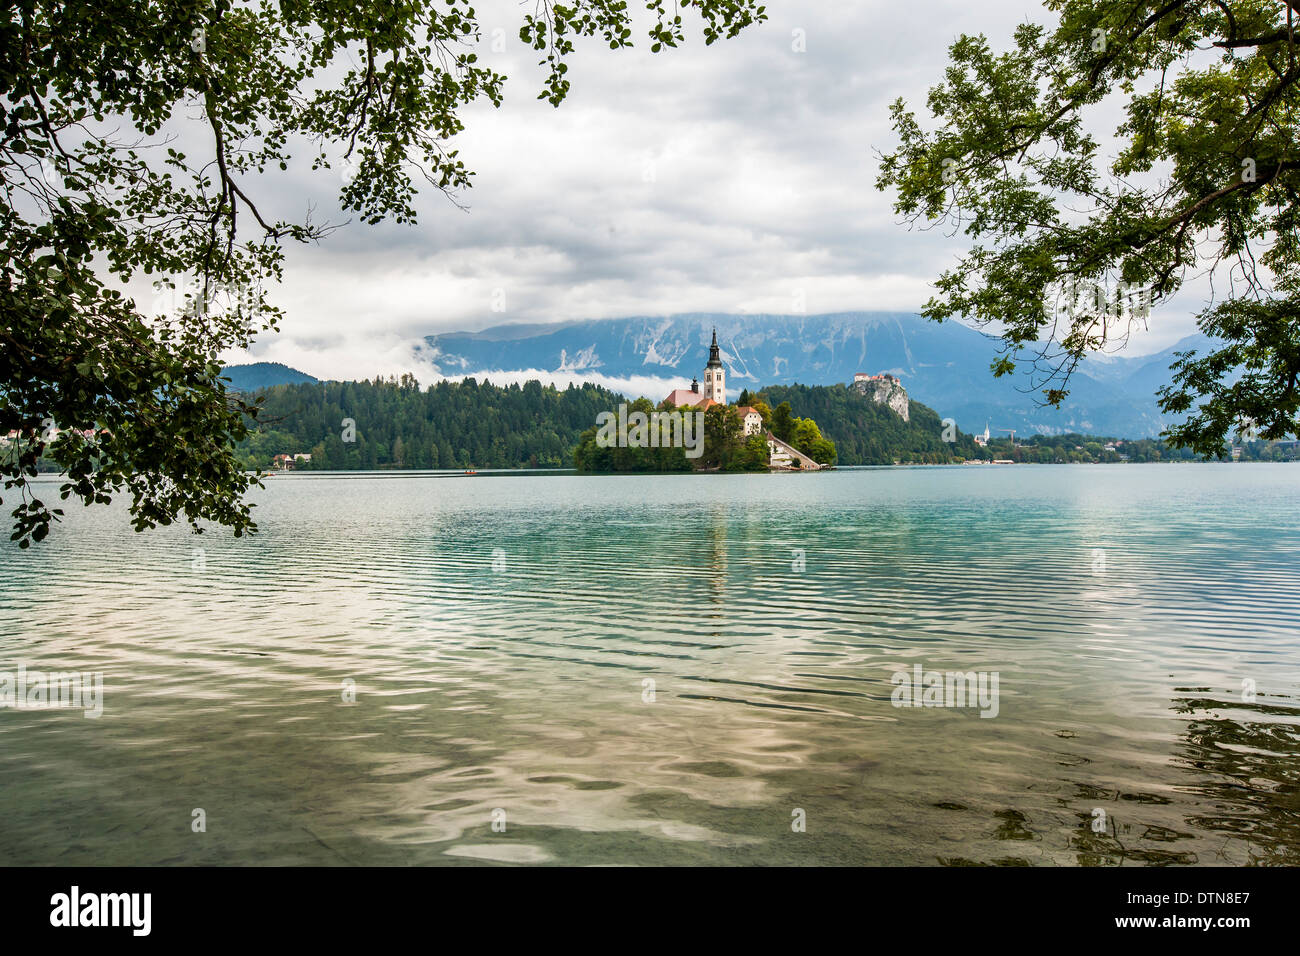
(397, 424)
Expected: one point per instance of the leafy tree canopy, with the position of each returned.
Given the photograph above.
(1072, 242)
(97, 193)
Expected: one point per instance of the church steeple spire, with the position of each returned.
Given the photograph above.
(714, 360)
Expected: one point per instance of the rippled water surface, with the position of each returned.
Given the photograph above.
(502, 633)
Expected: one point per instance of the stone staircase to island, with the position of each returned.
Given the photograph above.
(781, 454)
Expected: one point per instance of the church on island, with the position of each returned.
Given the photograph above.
(780, 454)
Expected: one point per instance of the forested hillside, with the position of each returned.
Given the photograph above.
(866, 433)
(397, 424)
(447, 425)
(250, 378)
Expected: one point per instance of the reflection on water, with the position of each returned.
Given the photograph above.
(643, 670)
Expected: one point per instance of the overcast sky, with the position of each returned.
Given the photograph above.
(727, 178)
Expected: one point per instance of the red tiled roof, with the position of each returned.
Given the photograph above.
(684, 396)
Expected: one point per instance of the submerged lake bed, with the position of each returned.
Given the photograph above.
(441, 669)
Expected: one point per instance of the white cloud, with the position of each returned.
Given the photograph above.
(636, 386)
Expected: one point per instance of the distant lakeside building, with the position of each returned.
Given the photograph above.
(287, 462)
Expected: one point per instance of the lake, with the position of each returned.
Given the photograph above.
(692, 669)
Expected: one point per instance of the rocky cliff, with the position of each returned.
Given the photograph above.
(885, 390)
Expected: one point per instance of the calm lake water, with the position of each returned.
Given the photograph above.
(499, 633)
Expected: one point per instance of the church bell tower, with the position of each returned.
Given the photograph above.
(715, 377)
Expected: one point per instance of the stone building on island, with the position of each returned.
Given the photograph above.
(752, 419)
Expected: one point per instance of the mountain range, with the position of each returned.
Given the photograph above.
(943, 365)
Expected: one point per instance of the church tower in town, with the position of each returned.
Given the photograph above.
(715, 377)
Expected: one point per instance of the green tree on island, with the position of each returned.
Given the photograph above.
(725, 446)
(809, 440)
(1068, 243)
(592, 455)
(783, 422)
(125, 398)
